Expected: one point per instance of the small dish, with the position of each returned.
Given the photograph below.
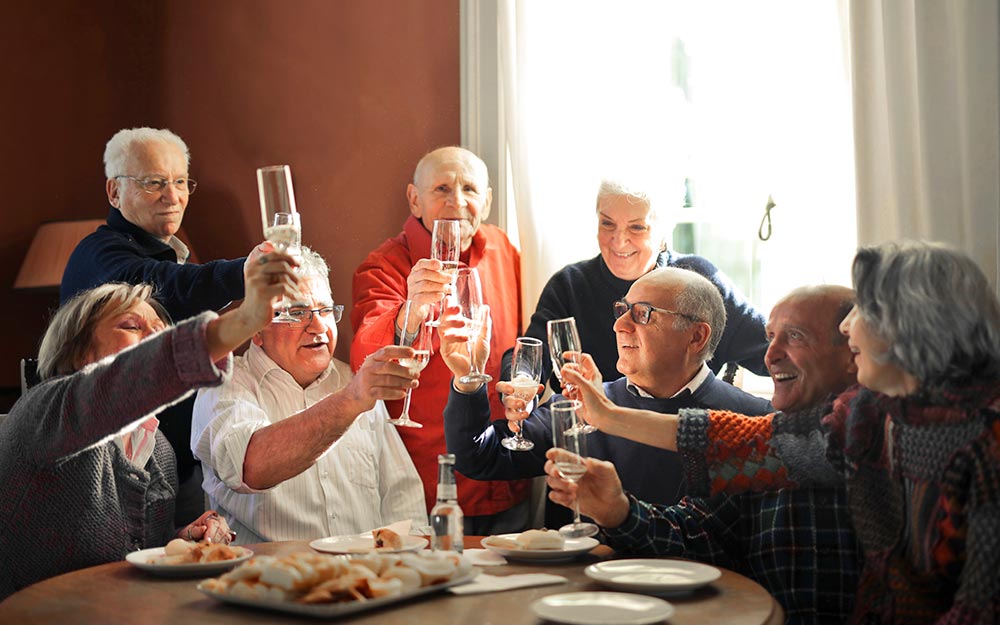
(653, 576)
(149, 560)
(602, 608)
(364, 543)
(573, 548)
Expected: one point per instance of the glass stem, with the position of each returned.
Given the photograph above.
(406, 406)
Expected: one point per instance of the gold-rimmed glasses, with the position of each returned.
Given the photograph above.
(156, 184)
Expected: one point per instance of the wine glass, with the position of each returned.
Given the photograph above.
(420, 341)
(526, 371)
(282, 226)
(469, 293)
(446, 246)
(563, 337)
(567, 434)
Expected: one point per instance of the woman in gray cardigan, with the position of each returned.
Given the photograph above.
(85, 476)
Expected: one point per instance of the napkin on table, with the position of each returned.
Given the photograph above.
(400, 527)
(495, 583)
(484, 557)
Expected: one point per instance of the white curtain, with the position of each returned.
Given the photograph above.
(926, 117)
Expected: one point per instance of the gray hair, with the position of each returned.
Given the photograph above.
(701, 299)
(71, 331)
(313, 264)
(934, 307)
(118, 148)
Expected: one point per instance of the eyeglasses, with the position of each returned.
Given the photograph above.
(642, 310)
(306, 315)
(157, 185)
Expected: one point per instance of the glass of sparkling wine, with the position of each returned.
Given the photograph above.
(568, 435)
(526, 371)
(420, 341)
(563, 338)
(469, 293)
(446, 246)
(282, 226)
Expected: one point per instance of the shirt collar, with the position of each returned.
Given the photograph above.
(692, 386)
(183, 252)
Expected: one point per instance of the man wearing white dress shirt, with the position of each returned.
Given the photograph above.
(294, 446)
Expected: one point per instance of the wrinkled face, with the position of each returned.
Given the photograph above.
(303, 349)
(160, 213)
(452, 184)
(625, 236)
(653, 355)
(805, 362)
(114, 333)
(867, 347)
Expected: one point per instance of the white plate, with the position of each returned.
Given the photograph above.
(328, 610)
(656, 576)
(572, 548)
(602, 608)
(149, 560)
(364, 544)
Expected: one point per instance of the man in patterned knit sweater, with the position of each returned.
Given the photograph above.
(796, 543)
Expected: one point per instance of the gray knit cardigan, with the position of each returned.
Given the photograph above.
(69, 498)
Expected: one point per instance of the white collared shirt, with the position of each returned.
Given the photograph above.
(182, 251)
(363, 481)
(139, 442)
(695, 383)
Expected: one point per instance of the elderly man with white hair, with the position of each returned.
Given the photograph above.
(148, 187)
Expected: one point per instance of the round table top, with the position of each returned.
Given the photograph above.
(121, 593)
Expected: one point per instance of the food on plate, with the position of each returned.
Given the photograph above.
(530, 540)
(180, 551)
(387, 539)
(322, 578)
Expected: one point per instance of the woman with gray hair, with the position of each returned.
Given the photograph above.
(632, 237)
(917, 445)
(85, 475)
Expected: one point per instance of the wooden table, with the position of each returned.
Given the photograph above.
(121, 593)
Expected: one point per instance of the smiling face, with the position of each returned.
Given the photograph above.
(160, 214)
(115, 332)
(807, 358)
(656, 357)
(625, 234)
(451, 183)
(869, 352)
(303, 349)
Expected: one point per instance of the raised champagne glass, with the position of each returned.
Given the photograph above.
(526, 372)
(469, 294)
(420, 341)
(446, 246)
(282, 226)
(563, 338)
(568, 434)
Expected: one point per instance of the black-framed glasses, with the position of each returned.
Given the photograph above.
(305, 315)
(641, 311)
(155, 184)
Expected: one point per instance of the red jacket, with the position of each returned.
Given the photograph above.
(379, 289)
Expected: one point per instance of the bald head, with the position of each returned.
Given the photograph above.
(807, 357)
(451, 183)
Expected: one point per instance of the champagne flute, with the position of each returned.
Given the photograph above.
(469, 293)
(563, 338)
(282, 226)
(446, 246)
(567, 434)
(526, 371)
(420, 341)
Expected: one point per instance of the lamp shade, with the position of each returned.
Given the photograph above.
(46, 260)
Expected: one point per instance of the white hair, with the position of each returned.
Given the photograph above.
(118, 148)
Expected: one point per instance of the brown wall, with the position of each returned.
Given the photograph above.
(350, 94)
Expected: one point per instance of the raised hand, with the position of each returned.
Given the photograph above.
(589, 390)
(515, 408)
(426, 285)
(455, 342)
(382, 377)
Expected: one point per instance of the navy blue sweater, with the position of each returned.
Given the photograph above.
(586, 290)
(652, 474)
(120, 251)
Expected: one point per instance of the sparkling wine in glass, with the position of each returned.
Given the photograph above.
(420, 341)
(568, 434)
(446, 246)
(282, 226)
(469, 293)
(526, 371)
(563, 337)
